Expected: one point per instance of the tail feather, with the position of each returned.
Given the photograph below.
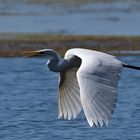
(131, 67)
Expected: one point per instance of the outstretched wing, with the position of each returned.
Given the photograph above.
(69, 102)
(98, 79)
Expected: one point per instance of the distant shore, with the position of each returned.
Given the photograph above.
(12, 45)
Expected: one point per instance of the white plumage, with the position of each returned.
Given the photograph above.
(92, 87)
(69, 96)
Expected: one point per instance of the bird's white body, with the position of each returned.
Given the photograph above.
(92, 87)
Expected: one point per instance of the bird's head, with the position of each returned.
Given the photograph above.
(53, 57)
(40, 53)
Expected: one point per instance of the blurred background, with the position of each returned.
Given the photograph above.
(81, 17)
(78, 24)
(28, 91)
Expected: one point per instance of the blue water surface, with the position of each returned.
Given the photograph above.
(28, 105)
(94, 18)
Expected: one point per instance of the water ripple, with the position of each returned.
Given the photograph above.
(28, 105)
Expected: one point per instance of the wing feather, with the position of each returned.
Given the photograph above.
(68, 106)
(64, 107)
(69, 95)
(75, 100)
(98, 80)
(71, 101)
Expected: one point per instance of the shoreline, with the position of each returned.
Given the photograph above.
(14, 44)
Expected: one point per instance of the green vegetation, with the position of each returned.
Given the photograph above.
(15, 44)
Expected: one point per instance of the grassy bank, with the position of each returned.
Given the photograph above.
(15, 44)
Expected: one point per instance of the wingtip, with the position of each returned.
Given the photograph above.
(60, 115)
(98, 123)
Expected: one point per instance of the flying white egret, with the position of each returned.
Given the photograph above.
(88, 80)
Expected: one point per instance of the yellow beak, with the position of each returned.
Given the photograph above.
(31, 53)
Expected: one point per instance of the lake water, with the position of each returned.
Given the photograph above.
(28, 105)
(102, 18)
